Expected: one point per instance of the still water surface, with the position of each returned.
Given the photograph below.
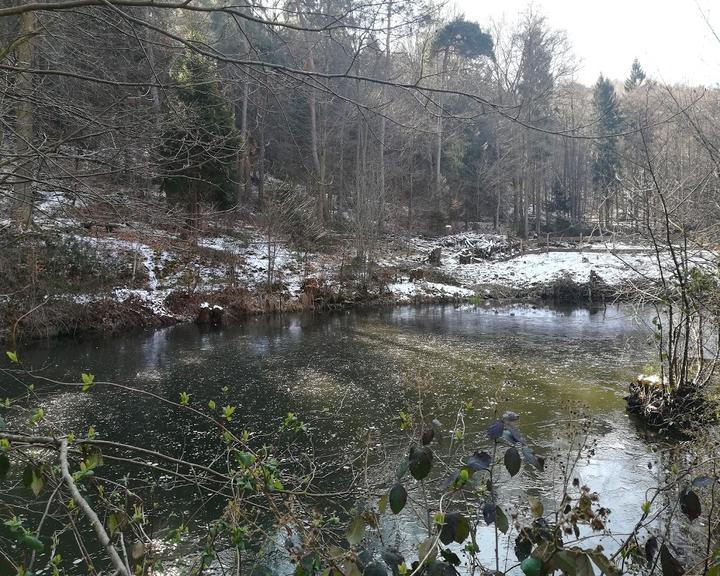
(347, 372)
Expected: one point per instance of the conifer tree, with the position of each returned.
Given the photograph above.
(605, 157)
(637, 76)
(200, 148)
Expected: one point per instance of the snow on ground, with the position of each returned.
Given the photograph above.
(496, 263)
(407, 291)
(255, 256)
(526, 271)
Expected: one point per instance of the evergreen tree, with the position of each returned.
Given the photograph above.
(637, 76)
(200, 149)
(466, 40)
(605, 157)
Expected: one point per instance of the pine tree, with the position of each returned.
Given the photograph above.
(637, 76)
(466, 40)
(200, 148)
(605, 157)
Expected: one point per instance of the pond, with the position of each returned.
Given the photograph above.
(349, 372)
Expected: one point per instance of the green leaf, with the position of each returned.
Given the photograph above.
(501, 520)
(572, 562)
(356, 530)
(670, 565)
(714, 569)
(455, 528)
(397, 498)
(29, 541)
(427, 547)
(374, 569)
(420, 462)
(228, 412)
(428, 436)
(690, 504)
(603, 562)
(12, 356)
(33, 479)
(212, 405)
(113, 523)
(531, 566)
(184, 398)
(512, 460)
(495, 430)
(536, 507)
(88, 381)
(441, 569)
(402, 469)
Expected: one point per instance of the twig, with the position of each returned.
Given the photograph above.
(89, 512)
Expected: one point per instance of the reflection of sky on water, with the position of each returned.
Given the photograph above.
(348, 371)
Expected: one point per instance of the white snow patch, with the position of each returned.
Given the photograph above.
(405, 291)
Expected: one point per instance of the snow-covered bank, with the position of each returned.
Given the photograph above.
(166, 277)
(530, 270)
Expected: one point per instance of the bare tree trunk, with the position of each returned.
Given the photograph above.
(261, 154)
(24, 196)
(386, 74)
(439, 130)
(247, 175)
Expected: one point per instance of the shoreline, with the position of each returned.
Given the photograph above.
(105, 316)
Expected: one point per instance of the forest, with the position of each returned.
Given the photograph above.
(349, 288)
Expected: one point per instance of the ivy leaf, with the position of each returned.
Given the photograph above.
(512, 460)
(397, 498)
(420, 462)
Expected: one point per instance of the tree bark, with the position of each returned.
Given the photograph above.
(439, 130)
(24, 116)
